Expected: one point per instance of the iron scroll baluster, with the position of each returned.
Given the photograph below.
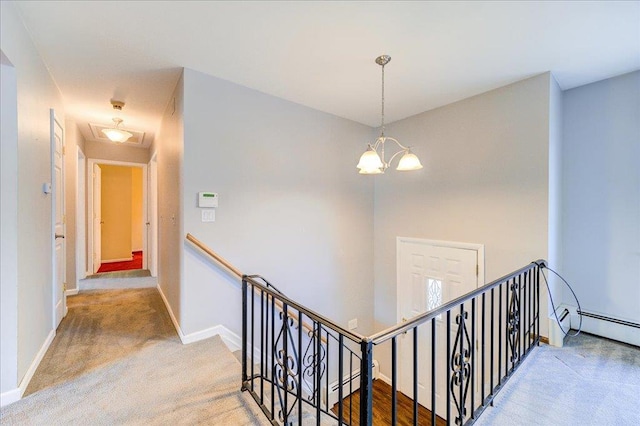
(460, 366)
(513, 321)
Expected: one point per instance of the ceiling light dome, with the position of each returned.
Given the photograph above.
(115, 134)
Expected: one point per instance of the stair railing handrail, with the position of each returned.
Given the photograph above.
(461, 359)
(326, 322)
(402, 327)
(268, 286)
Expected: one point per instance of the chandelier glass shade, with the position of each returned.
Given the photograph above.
(115, 134)
(373, 162)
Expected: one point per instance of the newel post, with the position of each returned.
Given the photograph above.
(366, 383)
(244, 331)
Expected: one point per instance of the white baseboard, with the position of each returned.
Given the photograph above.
(176, 325)
(9, 397)
(231, 339)
(71, 292)
(385, 379)
(123, 259)
(36, 362)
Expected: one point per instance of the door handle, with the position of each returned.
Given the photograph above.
(59, 236)
(148, 223)
(102, 222)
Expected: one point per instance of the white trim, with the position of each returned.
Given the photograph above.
(453, 244)
(480, 278)
(81, 217)
(9, 397)
(385, 379)
(176, 325)
(72, 292)
(122, 259)
(36, 362)
(231, 339)
(143, 166)
(479, 248)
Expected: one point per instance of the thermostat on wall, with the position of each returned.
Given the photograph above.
(207, 199)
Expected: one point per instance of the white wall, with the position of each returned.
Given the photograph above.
(169, 147)
(485, 180)
(116, 152)
(37, 93)
(292, 206)
(73, 142)
(8, 231)
(555, 206)
(601, 197)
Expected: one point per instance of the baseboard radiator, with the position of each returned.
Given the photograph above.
(608, 319)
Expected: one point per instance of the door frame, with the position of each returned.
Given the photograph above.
(81, 217)
(90, 163)
(478, 248)
(152, 216)
(53, 121)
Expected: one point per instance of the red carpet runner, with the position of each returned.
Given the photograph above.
(136, 263)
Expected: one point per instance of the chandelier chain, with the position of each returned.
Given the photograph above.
(382, 115)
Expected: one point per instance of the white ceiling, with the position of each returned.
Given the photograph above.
(321, 54)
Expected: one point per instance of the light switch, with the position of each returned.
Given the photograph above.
(208, 215)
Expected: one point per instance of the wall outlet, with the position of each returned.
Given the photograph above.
(353, 324)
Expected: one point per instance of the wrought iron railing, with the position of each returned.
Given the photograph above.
(460, 356)
(482, 338)
(296, 374)
(450, 362)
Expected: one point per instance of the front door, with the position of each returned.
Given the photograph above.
(57, 186)
(430, 274)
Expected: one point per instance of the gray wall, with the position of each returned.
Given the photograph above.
(168, 148)
(601, 163)
(73, 142)
(292, 205)
(37, 93)
(555, 201)
(8, 228)
(485, 180)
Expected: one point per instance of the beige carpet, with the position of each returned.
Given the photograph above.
(127, 366)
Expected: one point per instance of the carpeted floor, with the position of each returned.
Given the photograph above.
(117, 360)
(590, 381)
(134, 263)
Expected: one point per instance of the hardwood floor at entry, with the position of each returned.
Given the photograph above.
(382, 408)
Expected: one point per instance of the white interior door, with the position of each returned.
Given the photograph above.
(57, 186)
(97, 218)
(430, 275)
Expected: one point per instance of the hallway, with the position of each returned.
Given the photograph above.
(117, 359)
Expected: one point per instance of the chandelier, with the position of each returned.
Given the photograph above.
(373, 162)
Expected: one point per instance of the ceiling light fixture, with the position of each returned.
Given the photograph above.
(115, 134)
(372, 163)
